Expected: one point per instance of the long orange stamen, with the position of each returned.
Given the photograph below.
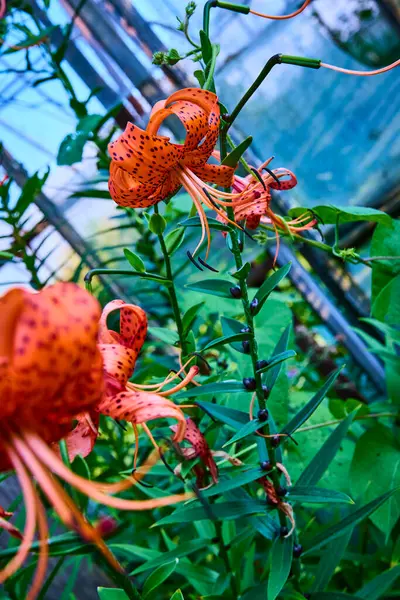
(362, 73)
(30, 524)
(42, 563)
(193, 371)
(282, 17)
(86, 487)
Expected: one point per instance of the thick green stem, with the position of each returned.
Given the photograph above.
(172, 293)
(236, 251)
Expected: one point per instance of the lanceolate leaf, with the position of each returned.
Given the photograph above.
(330, 559)
(310, 495)
(227, 339)
(190, 316)
(158, 577)
(348, 522)
(174, 239)
(220, 387)
(235, 482)
(277, 360)
(215, 287)
(230, 416)
(177, 595)
(232, 327)
(134, 260)
(111, 594)
(244, 431)
(213, 224)
(332, 596)
(321, 461)
(280, 347)
(311, 406)
(377, 587)
(183, 549)
(329, 214)
(233, 157)
(221, 510)
(269, 285)
(281, 561)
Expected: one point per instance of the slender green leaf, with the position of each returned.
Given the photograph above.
(310, 495)
(281, 561)
(226, 339)
(269, 285)
(348, 522)
(174, 240)
(277, 360)
(329, 214)
(321, 461)
(92, 193)
(158, 577)
(71, 148)
(232, 159)
(177, 595)
(226, 485)
(332, 596)
(165, 335)
(215, 287)
(220, 387)
(377, 587)
(212, 223)
(231, 327)
(157, 223)
(330, 559)
(219, 511)
(230, 416)
(31, 40)
(134, 260)
(279, 349)
(183, 549)
(111, 594)
(243, 272)
(190, 316)
(206, 46)
(311, 406)
(244, 431)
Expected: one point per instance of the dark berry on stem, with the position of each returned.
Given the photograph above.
(297, 550)
(249, 383)
(245, 330)
(236, 292)
(266, 465)
(246, 346)
(283, 531)
(281, 491)
(275, 441)
(266, 391)
(262, 415)
(260, 364)
(253, 305)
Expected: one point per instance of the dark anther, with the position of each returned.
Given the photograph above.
(281, 491)
(236, 292)
(245, 232)
(246, 346)
(205, 367)
(262, 415)
(266, 465)
(142, 483)
(211, 199)
(245, 330)
(203, 262)
(273, 176)
(258, 176)
(226, 117)
(260, 364)
(297, 550)
(283, 531)
(190, 256)
(275, 441)
(253, 305)
(250, 383)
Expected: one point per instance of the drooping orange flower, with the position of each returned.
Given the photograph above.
(199, 448)
(123, 400)
(147, 168)
(51, 370)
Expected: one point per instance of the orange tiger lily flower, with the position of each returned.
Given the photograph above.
(147, 167)
(198, 448)
(51, 370)
(130, 402)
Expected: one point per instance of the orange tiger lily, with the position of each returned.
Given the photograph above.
(134, 403)
(147, 168)
(51, 370)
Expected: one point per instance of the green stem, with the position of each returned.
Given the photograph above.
(172, 292)
(236, 251)
(210, 77)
